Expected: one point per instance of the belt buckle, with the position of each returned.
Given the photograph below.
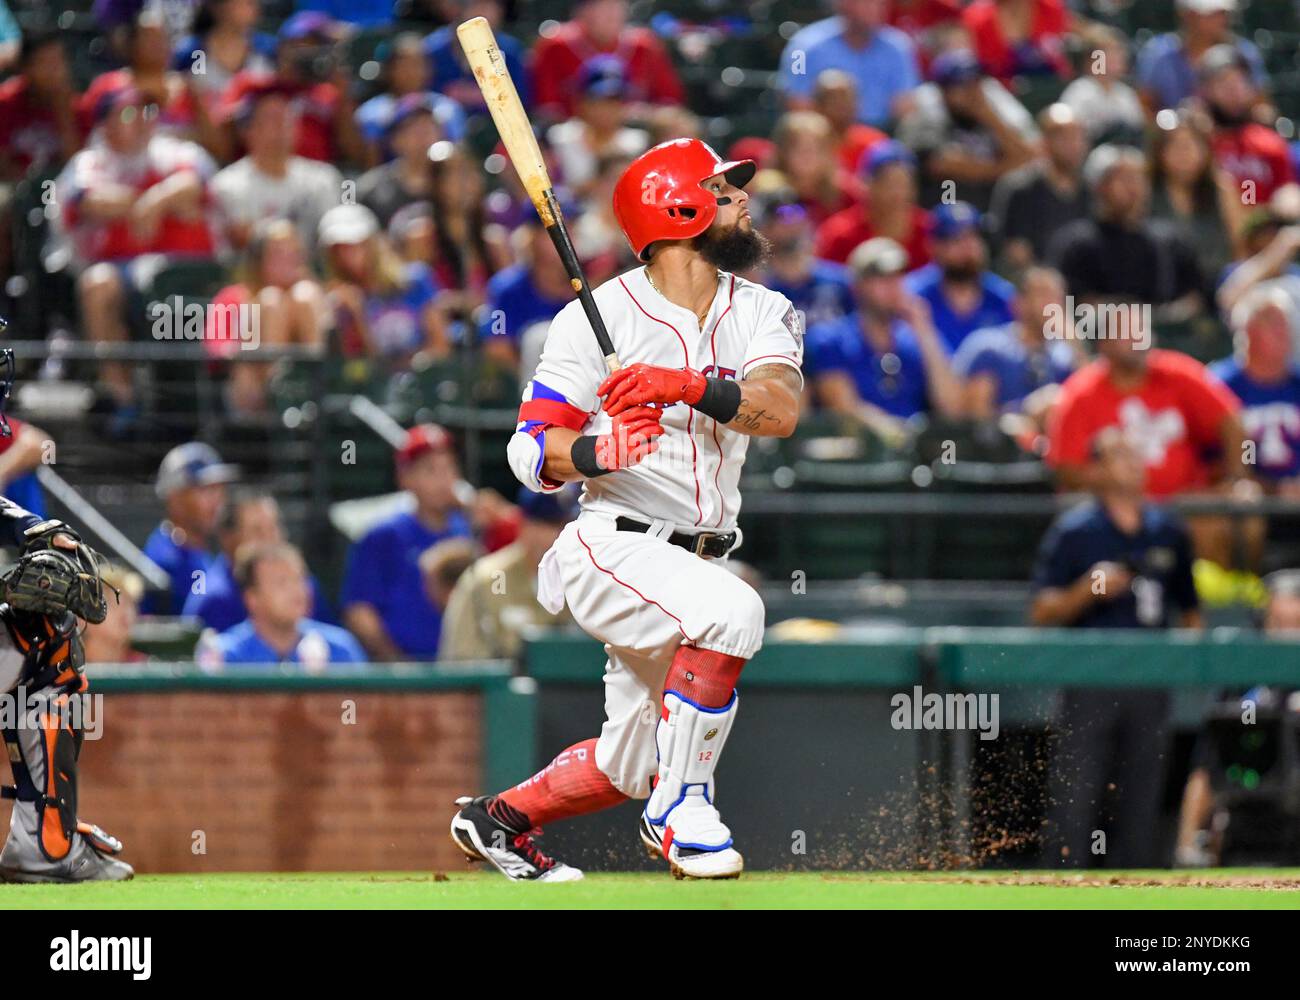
(700, 541)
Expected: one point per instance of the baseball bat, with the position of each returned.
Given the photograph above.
(516, 132)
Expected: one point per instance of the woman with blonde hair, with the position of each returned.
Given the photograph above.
(384, 307)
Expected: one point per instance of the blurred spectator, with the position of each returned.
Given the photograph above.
(1169, 405)
(180, 110)
(273, 580)
(252, 519)
(495, 600)
(406, 74)
(363, 13)
(929, 23)
(1115, 561)
(1271, 241)
(270, 181)
(967, 130)
(225, 41)
(523, 295)
(1166, 65)
(600, 27)
(384, 601)
(470, 251)
(597, 236)
(117, 16)
(835, 97)
(962, 294)
(1254, 155)
(451, 73)
(384, 307)
(806, 161)
(1033, 202)
(11, 37)
(110, 640)
(312, 69)
(599, 126)
(819, 289)
(888, 208)
(1019, 37)
(441, 567)
(38, 127)
(129, 200)
(291, 310)
(192, 485)
(24, 450)
(405, 179)
(882, 60)
(885, 363)
(1108, 107)
(1121, 253)
(1018, 367)
(1264, 376)
(1191, 193)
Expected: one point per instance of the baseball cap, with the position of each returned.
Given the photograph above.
(602, 76)
(309, 24)
(420, 439)
(192, 464)
(406, 108)
(559, 507)
(955, 67)
(1208, 6)
(116, 99)
(347, 224)
(883, 154)
(878, 257)
(952, 220)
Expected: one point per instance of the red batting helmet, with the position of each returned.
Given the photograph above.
(661, 194)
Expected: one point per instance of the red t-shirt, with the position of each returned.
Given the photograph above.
(841, 234)
(1174, 415)
(29, 134)
(915, 18)
(1043, 49)
(316, 105)
(557, 57)
(1256, 153)
(857, 140)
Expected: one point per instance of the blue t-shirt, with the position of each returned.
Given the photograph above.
(396, 321)
(892, 380)
(180, 563)
(448, 66)
(375, 114)
(384, 571)
(514, 304)
(825, 295)
(1000, 351)
(1164, 70)
(221, 605)
(319, 645)
(884, 68)
(993, 308)
(1159, 556)
(1271, 416)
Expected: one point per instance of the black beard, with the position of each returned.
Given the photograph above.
(962, 274)
(733, 250)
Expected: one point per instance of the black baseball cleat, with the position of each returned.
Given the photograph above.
(511, 852)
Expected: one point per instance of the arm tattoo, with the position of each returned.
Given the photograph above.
(755, 418)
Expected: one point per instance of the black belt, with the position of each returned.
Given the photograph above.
(711, 544)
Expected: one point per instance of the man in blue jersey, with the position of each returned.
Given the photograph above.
(192, 483)
(522, 295)
(1267, 381)
(384, 603)
(273, 580)
(884, 363)
(819, 289)
(962, 293)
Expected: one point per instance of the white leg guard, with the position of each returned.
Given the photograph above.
(681, 821)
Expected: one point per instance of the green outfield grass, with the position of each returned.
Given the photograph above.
(1235, 889)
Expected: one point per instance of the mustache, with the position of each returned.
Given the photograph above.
(733, 249)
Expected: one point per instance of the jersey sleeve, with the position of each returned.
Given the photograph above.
(778, 339)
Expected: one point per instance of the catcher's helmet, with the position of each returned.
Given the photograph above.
(661, 196)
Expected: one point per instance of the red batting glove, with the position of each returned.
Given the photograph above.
(637, 385)
(633, 437)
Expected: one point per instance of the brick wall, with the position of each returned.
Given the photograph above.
(279, 781)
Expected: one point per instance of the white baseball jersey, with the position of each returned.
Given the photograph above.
(692, 480)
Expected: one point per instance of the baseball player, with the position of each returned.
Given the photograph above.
(710, 360)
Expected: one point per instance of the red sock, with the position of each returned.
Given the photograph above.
(570, 785)
(704, 676)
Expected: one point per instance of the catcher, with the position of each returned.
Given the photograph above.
(55, 582)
